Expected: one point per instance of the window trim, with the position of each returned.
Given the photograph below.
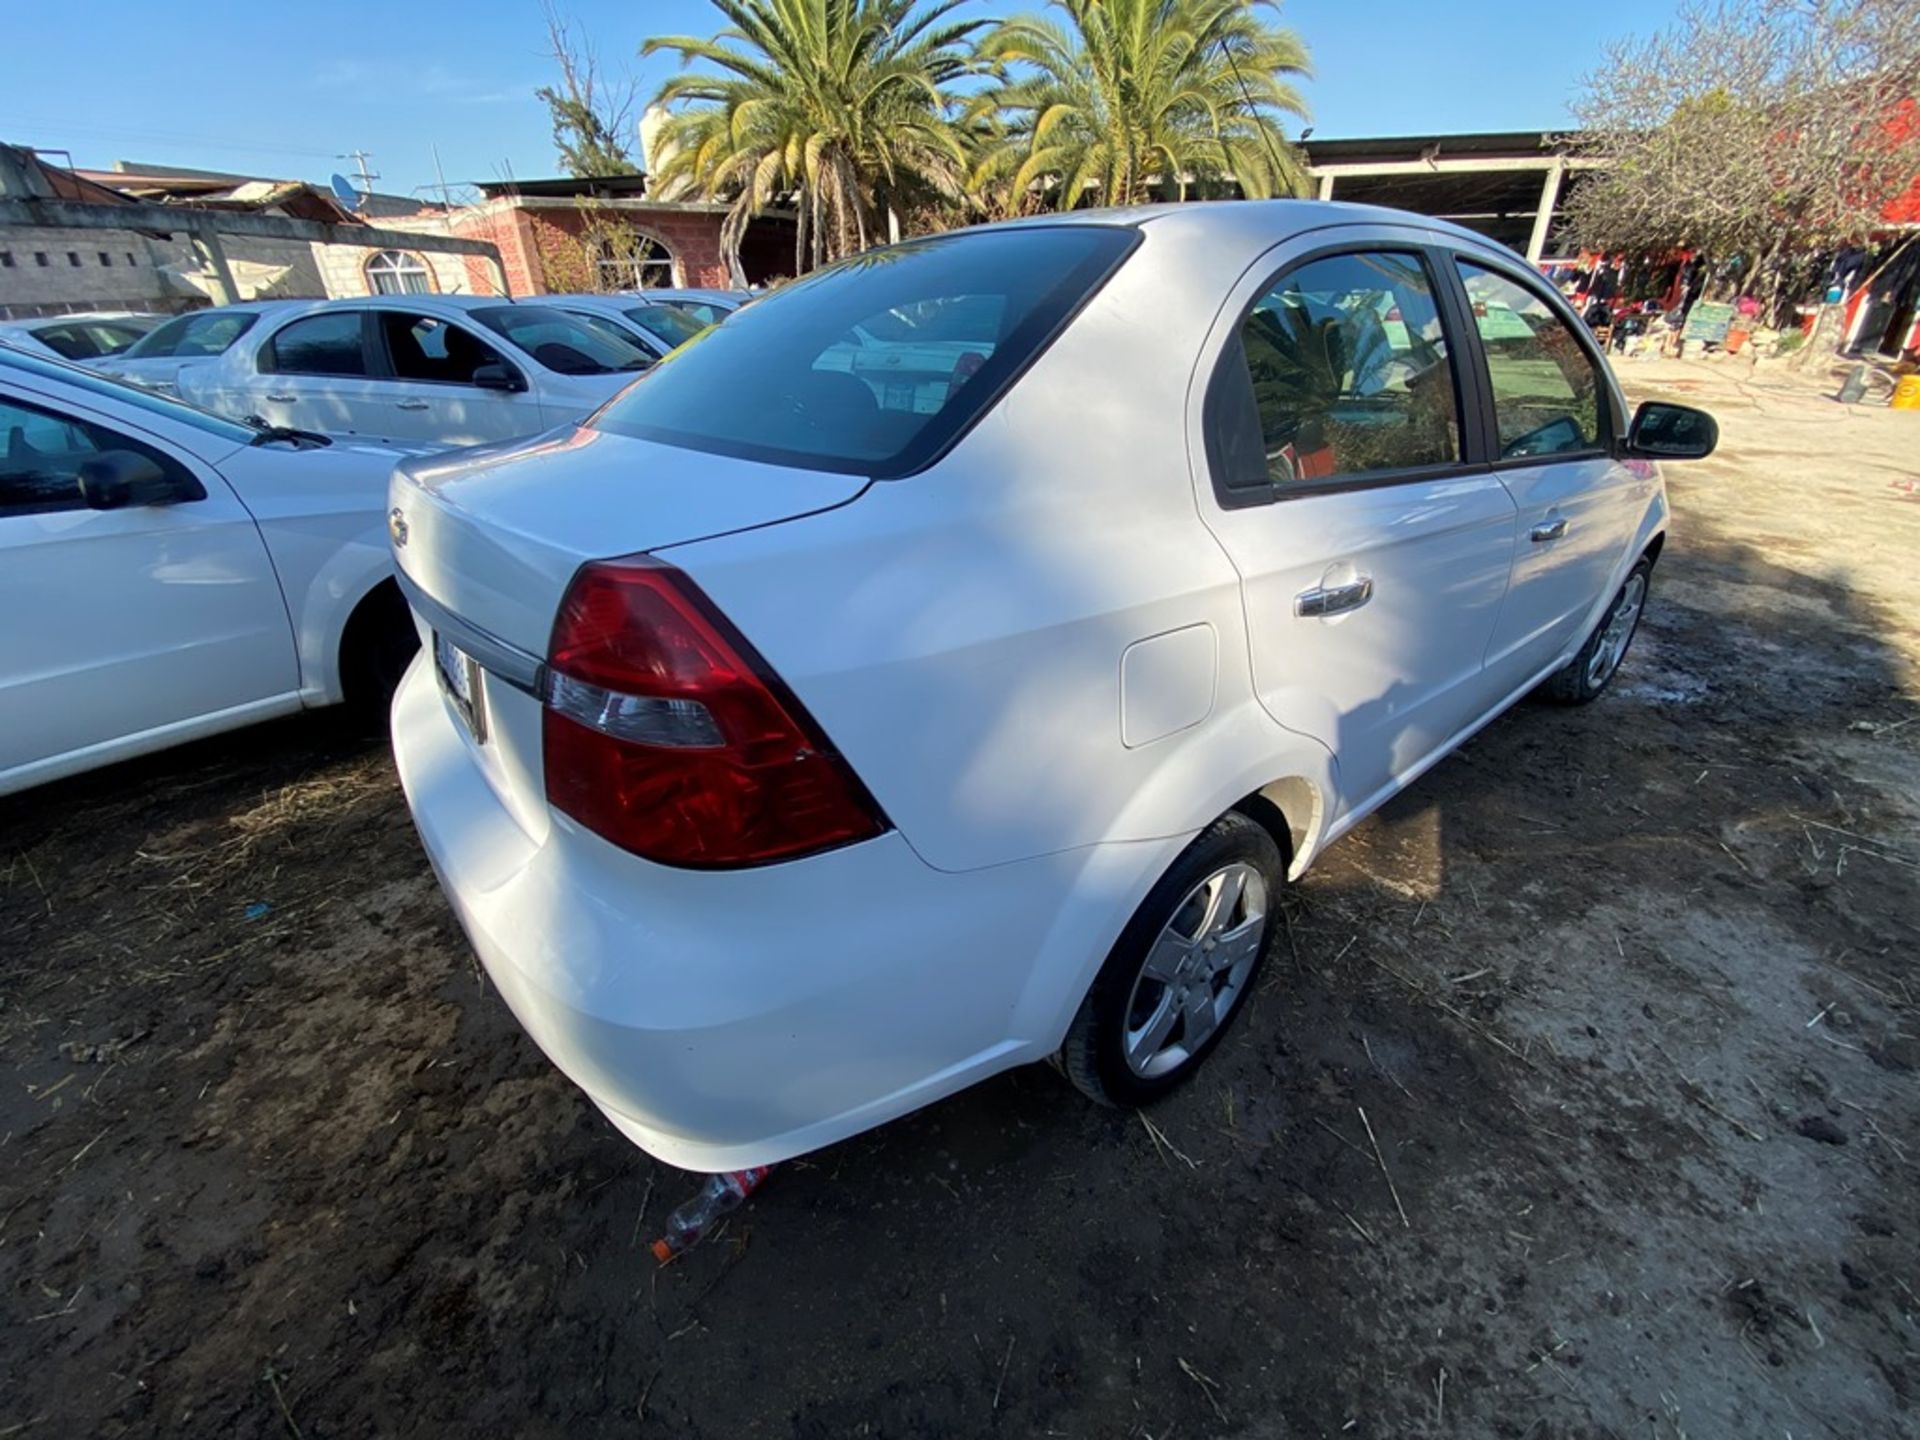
(266, 359)
(1469, 396)
(192, 488)
(1608, 444)
(382, 368)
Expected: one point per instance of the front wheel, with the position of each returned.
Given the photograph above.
(1582, 678)
(1181, 969)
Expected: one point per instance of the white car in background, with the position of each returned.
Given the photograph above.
(709, 307)
(166, 573)
(156, 359)
(435, 370)
(809, 735)
(82, 338)
(655, 326)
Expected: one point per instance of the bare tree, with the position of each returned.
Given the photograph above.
(1769, 130)
(590, 120)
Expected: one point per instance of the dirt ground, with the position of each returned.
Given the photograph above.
(1578, 1100)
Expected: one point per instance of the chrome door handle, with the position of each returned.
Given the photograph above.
(1549, 530)
(412, 405)
(1334, 599)
(281, 399)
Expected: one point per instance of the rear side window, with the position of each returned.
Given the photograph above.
(424, 347)
(1340, 370)
(875, 365)
(1547, 396)
(193, 336)
(319, 345)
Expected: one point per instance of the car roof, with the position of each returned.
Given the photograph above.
(83, 317)
(1277, 219)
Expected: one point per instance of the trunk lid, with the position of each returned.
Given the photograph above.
(495, 533)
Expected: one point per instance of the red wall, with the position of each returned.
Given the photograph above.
(693, 236)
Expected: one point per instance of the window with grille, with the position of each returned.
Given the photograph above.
(397, 272)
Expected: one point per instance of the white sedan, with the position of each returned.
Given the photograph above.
(812, 735)
(156, 359)
(167, 574)
(81, 338)
(440, 370)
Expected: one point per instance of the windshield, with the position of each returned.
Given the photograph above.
(197, 336)
(669, 323)
(877, 364)
(165, 406)
(564, 343)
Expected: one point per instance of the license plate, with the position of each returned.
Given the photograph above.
(459, 676)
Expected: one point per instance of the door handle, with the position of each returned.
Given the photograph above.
(280, 399)
(1549, 530)
(1334, 599)
(412, 405)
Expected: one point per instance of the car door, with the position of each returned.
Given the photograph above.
(1373, 550)
(1577, 508)
(427, 366)
(124, 622)
(315, 374)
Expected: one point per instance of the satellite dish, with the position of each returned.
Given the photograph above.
(344, 192)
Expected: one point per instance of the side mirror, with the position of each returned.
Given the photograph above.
(122, 479)
(495, 376)
(1671, 432)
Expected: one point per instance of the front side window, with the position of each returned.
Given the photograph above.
(564, 343)
(1341, 369)
(41, 452)
(326, 344)
(873, 366)
(200, 336)
(396, 272)
(1547, 395)
(424, 347)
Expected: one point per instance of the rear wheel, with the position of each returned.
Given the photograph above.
(1181, 969)
(375, 650)
(1582, 678)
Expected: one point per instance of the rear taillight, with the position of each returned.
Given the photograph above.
(666, 733)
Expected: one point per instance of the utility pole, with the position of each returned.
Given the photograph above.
(367, 177)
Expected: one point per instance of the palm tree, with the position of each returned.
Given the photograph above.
(839, 103)
(1127, 100)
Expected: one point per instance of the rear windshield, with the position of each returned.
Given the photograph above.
(875, 365)
(208, 333)
(564, 343)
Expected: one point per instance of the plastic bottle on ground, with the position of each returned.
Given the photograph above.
(721, 1193)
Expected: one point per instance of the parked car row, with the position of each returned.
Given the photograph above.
(432, 369)
(941, 665)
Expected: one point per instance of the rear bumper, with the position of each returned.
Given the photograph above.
(734, 1018)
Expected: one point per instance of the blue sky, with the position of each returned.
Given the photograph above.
(284, 90)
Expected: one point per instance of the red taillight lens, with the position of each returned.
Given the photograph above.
(666, 734)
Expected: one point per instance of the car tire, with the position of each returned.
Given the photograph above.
(375, 650)
(1186, 963)
(1584, 677)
